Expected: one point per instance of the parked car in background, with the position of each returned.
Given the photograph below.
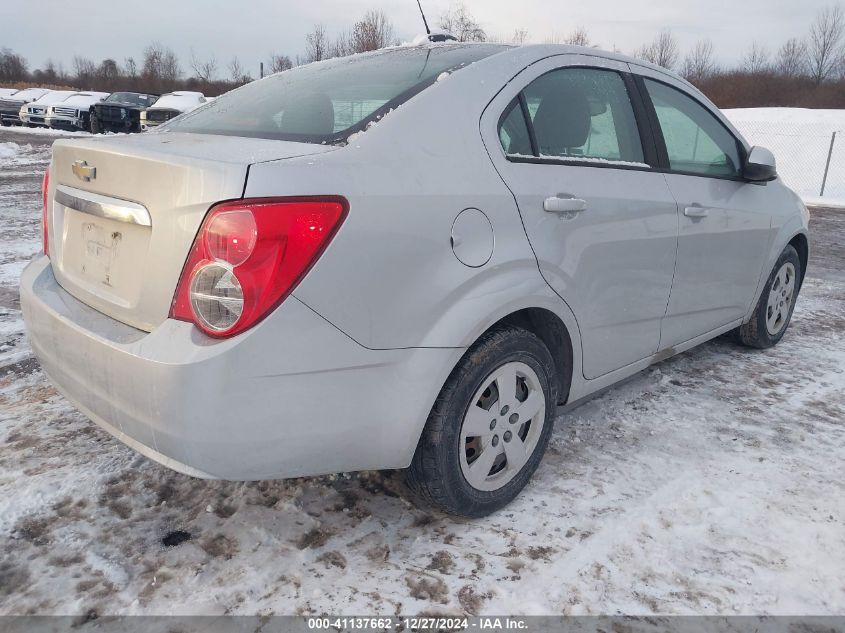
(120, 112)
(10, 107)
(169, 106)
(354, 265)
(34, 114)
(73, 112)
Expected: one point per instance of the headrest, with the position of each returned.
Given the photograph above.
(563, 119)
(309, 114)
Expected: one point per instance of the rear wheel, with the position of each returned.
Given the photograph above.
(777, 301)
(489, 427)
(94, 124)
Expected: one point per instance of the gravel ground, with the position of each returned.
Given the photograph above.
(711, 483)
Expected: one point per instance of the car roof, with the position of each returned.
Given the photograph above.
(132, 92)
(57, 95)
(28, 91)
(539, 51)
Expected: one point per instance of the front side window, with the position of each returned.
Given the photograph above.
(583, 114)
(696, 141)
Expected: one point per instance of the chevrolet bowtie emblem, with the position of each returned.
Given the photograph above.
(84, 171)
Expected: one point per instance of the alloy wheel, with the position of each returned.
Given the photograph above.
(781, 296)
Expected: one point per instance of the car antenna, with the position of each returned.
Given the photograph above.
(425, 22)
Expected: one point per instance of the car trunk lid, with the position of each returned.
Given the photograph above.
(124, 211)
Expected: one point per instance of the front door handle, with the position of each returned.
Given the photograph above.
(564, 204)
(696, 212)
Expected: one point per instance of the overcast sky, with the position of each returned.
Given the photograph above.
(253, 29)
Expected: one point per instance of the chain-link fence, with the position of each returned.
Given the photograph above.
(810, 154)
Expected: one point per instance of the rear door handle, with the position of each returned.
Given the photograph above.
(564, 204)
(696, 212)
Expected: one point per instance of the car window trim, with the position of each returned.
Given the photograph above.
(516, 102)
(645, 125)
(646, 142)
(526, 114)
(660, 140)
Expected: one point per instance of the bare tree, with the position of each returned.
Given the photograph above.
(279, 63)
(83, 68)
(61, 75)
(84, 72)
(108, 74)
(519, 37)
(237, 74)
(699, 64)
(316, 44)
(160, 70)
(171, 71)
(791, 60)
(50, 75)
(825, 47)
(130, 68)
(204, 70)
(756, 60)
(460, 23)
(342, 46)
(13, 67)
(578, 37)
(663, 51)
(372, 32)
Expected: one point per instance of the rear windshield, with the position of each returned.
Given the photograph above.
(327, 101)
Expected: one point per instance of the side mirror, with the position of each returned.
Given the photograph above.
(760, 165)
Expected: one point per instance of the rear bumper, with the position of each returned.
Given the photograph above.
(292, 397)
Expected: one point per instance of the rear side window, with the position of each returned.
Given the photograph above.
(513, 131)
(327, 101)
(583, 114)
(696, 141)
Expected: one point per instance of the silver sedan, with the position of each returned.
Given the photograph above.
(404, 259)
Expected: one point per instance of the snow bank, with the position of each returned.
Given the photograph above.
(800, 140)
(9, 150)
(15, 157)
(46, 131)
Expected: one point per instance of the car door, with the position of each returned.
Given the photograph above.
(725, 225)
(600, 219)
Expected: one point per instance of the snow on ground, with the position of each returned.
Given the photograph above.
(711, 483)
(801, 142)
(25, 132)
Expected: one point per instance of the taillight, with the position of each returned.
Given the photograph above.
(248, 257)
(45, 186)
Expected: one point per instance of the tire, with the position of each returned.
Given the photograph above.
(94, 125)
(441, 469)
(777, 301)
